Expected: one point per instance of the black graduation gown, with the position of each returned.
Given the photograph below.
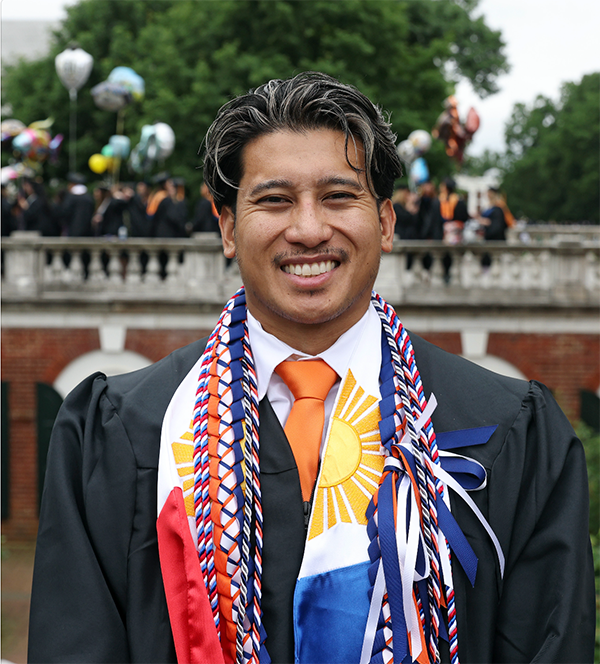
(97, 591)
(77, 212)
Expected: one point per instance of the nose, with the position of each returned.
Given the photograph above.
(308, 224)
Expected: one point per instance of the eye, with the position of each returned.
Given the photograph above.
(340, 196)
(272, 199)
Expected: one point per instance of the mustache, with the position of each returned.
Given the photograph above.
(328, 253)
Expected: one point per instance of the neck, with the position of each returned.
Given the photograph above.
(308, 338)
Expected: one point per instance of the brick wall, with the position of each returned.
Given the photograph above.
(566, 363)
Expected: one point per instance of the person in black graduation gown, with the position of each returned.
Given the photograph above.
(205, 220)
(406, 209)
(36, 212)
(77, 208)
(98, 593)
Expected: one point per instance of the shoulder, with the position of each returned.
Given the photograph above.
(469, 396)
(132, 404)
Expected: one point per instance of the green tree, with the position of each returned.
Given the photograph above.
(553, 155)
(195, 55)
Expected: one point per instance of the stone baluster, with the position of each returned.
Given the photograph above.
(56, 268)
(172, 268)
(152, 277)
(96, 270)
(115, 267)
(76, 271)
(133, 269)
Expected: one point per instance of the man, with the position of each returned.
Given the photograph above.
(326, 541)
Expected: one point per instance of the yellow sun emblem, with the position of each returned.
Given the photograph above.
(353, 462)
(183, 453)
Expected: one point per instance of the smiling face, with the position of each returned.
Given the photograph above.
(307, 234)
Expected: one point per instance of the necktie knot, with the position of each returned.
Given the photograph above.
(309, 381)
(307, 378)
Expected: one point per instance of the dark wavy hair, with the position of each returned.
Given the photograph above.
(310, 100)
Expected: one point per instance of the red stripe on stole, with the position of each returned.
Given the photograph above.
(190, 614)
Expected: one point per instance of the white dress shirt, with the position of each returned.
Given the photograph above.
(269, 351)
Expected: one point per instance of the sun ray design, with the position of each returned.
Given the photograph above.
(353, 462)
(183, 454)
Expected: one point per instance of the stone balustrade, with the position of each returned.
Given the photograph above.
(579, 234)
(146, 272)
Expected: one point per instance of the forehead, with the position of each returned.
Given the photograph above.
(300, 155)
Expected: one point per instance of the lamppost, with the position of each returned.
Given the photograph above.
(73, 67)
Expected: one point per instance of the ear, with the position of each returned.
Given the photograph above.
(227, 224)
(387, 221)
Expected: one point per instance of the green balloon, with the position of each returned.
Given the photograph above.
(107, 151)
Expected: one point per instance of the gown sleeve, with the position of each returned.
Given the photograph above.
(539, 502)
(78, 602)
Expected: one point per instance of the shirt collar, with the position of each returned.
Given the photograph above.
(269, 351)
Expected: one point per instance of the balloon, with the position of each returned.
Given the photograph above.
(419, 172)
(156, 142)
(107, 151)
(33, 144)
(121, 145)
(126, 77)
(421, 141)
(11, 128)
(165, 140)
(54, 146)
(406, 151)
(111, 96)
(73, 67)
(98, 163)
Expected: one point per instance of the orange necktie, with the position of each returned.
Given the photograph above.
(309, 381)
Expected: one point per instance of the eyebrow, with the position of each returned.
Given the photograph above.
(269, 184)
(286, 184)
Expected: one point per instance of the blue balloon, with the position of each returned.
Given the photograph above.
(419, 172)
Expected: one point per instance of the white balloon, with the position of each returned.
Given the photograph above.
(73, 67)
(406, 151)
(421, 140)
(165, 140)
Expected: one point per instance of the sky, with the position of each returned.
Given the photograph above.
(548, 42)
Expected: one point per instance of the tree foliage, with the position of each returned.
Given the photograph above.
(195, 55)
(553, 152)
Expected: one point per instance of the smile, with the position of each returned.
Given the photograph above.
(310, 269)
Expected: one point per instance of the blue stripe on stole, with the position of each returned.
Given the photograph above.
(330, 615)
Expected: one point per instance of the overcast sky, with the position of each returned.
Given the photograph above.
(548, 42)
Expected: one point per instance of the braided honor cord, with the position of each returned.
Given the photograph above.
(402, 406)
(227, 484)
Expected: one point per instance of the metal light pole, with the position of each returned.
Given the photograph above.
(73, 67)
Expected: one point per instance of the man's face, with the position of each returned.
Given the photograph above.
(307, 234)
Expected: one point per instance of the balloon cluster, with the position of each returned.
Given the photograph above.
(116, 149)
(411, 153)
(121, 87)
(454, 133)
(33, 144)
(156, 144)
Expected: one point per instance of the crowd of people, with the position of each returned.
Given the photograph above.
(428, 214)
(157, 208)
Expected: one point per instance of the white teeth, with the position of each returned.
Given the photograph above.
(310, 269)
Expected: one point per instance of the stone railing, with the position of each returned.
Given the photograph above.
(577, 234)
(143, 272)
